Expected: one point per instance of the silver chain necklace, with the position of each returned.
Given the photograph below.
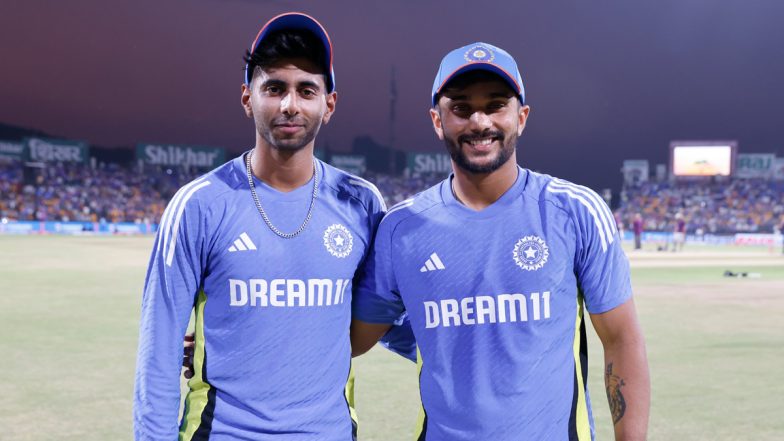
(264, 214)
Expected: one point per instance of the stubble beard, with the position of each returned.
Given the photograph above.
(287, 144)
(457, 154)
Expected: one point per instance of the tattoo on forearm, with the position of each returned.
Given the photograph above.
(613, 383)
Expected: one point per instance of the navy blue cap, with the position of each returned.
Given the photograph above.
(296, 20)
(479, 56)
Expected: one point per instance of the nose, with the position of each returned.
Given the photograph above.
(289, 104)
(480, 121)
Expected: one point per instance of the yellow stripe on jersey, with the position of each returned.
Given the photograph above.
(421, 424)
(582, 422)
(349, 393)
(196, 400)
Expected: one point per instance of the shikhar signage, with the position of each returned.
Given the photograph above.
(429, 163)
(172, 155)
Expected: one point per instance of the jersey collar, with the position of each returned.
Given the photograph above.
(494, 209)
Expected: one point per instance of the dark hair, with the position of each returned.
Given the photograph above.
(288, 44)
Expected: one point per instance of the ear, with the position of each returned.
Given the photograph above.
(245, 100)
(436, 118)
(522, 117)
(332, 99)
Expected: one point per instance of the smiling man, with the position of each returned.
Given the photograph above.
(494, 267)
(264, 250)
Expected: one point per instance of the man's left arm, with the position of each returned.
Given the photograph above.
(626, 376)
(604, 279)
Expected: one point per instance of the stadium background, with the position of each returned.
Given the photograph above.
(78, 203)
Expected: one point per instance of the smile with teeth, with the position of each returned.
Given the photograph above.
(481, 141)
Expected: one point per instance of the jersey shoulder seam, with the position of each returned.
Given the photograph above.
(350, 194)
(342, 182)
(555, 202)
(409, 212)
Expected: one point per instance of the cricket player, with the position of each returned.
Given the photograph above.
(495, 267)
(264, 249)
(679, 232)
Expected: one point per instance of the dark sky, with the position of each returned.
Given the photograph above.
(607, 80)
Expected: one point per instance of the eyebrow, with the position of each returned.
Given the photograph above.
(273, 82)
(281, 83)
(505, 95)
(308, 83)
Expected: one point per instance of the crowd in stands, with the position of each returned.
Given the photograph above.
(114, 193)
(399, 188)
(77, 192)
(715, 207)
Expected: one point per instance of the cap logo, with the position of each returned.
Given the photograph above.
(479, 53)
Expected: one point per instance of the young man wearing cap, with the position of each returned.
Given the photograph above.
(264, 249)
(493, 267)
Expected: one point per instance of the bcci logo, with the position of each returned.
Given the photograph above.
(479, 53)
(338, 240)
(531, 253)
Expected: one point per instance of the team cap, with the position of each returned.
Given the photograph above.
(296, 20)
(479, 56)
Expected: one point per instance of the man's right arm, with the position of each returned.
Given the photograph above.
(173, 280)
(365, 335)
(376, 304)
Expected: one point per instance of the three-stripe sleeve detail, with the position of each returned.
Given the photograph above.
(605, 225)
(176, 227)
(363, 183)
(170, 222)
(604, 210)
(168, 214)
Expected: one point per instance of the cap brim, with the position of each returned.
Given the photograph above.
(296, 20)
(478, 65)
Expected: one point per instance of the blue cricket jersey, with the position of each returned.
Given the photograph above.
(495, 299)
(272, 315)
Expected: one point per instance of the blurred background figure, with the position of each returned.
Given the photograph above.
(637, 226)
(679, 233)
(781, 233)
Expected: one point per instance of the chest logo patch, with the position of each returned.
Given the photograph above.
(531, 253)
(338, 240)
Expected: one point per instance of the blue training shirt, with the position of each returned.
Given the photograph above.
(495, 299)
(272, 355)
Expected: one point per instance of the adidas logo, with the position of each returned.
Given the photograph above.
(433, 263)
(242, 244)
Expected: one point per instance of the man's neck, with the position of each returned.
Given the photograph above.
(479, 191)
(283, 170)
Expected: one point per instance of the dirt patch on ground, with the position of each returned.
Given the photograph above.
(755, 289)
(664, 259)
(730, 291)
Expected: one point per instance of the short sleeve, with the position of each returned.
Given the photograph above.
(601, 265)
(377, 299)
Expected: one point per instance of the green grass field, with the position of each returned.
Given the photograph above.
(69, 311)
